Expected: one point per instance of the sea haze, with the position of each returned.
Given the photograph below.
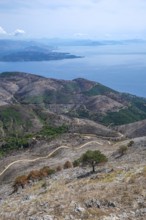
(121, 67)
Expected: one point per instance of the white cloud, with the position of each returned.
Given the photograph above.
(96, 18)
(18, 32)
(80, 35)
(2, 31)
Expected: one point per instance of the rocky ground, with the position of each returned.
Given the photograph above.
(117, 191)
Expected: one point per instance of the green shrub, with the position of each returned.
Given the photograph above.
(122, 149)
(51, 171)
(130, 143)
(76, 163)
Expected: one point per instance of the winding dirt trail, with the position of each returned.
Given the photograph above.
(49, 155)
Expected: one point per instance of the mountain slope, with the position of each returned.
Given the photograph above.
(77, 98)
(132, 130)
(46, 123)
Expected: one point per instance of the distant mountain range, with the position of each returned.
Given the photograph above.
(89, 42)
(16, 51)
(46, 49)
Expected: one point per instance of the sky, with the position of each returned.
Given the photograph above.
(79, 19)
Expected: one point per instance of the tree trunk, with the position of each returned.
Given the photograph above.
(93, 167)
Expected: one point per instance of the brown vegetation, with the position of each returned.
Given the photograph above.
(20, 181)
(33, 175)
(45, 171)
(58, 168)
(68, 165)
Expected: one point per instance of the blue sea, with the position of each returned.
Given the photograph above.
(121, 67)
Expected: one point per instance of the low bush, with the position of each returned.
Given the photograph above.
(76, 163)
(20, 181)
(51, 171)
(59, 168)
(67, 165)
(122, 149)
(45, 171)
(35, 175)
(130, 143)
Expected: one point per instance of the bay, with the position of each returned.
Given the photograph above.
(121, 67)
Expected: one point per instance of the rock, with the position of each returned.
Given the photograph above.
(111, 217)
(79, 208)
(48, 217)
(108, 204)
(93, 203)
(69, 217)
(33, 218)
(26, 197)
(140, 212)
(98, 204)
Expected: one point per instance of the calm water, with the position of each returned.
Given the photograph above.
(120, 67)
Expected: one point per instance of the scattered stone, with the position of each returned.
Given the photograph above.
(48, 217)
(26, 197)
(93, 203)
(69, 217)
(140, 212)
(105, 170)
(79, 208)
(99, 204)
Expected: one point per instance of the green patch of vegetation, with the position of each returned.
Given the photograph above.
(14, 143)
(98, 89)
(10, 113)
(83, 113)
(34, 99)
(71, 87)
(64, 96)
(6, 74)
(48, 131)
(14, 120)
(124, 116)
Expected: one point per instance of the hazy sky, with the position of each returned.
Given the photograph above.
(101, 19)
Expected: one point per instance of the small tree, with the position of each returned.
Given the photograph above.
(93, 158)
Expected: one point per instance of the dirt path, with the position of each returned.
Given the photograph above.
(49, 155)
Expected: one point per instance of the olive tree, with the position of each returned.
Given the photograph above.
(93, 158)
